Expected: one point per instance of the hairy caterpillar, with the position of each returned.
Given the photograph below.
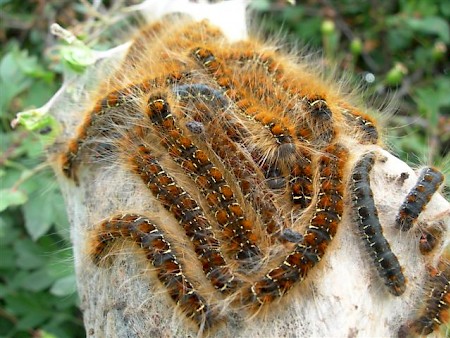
(435, 304)
(319, 233)
(157, 250)
(370, 227)
(428, 183)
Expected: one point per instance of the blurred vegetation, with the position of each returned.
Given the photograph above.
(391, 47)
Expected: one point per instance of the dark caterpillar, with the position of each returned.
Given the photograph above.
(370, 228)
(417, 199)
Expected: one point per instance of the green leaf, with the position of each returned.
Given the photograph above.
(26, 302)
(10, 197)
(32, 320)
(38, 215)
(10, 72)
(37, 119)
(61, 264)
(431, 98)
(45, 207)
(12, 79)
(8, 235)
(431, 25)
(30, 66)
(69, 301)
(44, 334)
(8, 259)
(9, 232)
(445, 8)
(32, 149)
(64, 286)
(3, 290)
(29, 254)
(41, 93)
(78, 57)
(37, 281)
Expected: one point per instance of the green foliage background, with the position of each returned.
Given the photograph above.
(401, 45)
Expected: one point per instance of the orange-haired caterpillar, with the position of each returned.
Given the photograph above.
(208, 177)
(429, 239)
(321, 230)
(435, 309)
(115, 100)
(427, 184)
(306, 103)
(277, 126)
(369, 225)
(307, 130)
(269, 84)
(210, 107)
(159, 252)
(190, 217)
(364, 123)
(70, 158)
(301, 180)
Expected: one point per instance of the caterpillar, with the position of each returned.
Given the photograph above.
(190, 216)
(415, 202)
(435, 304)
(370, 228)
(321, 230)
(159, 252)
